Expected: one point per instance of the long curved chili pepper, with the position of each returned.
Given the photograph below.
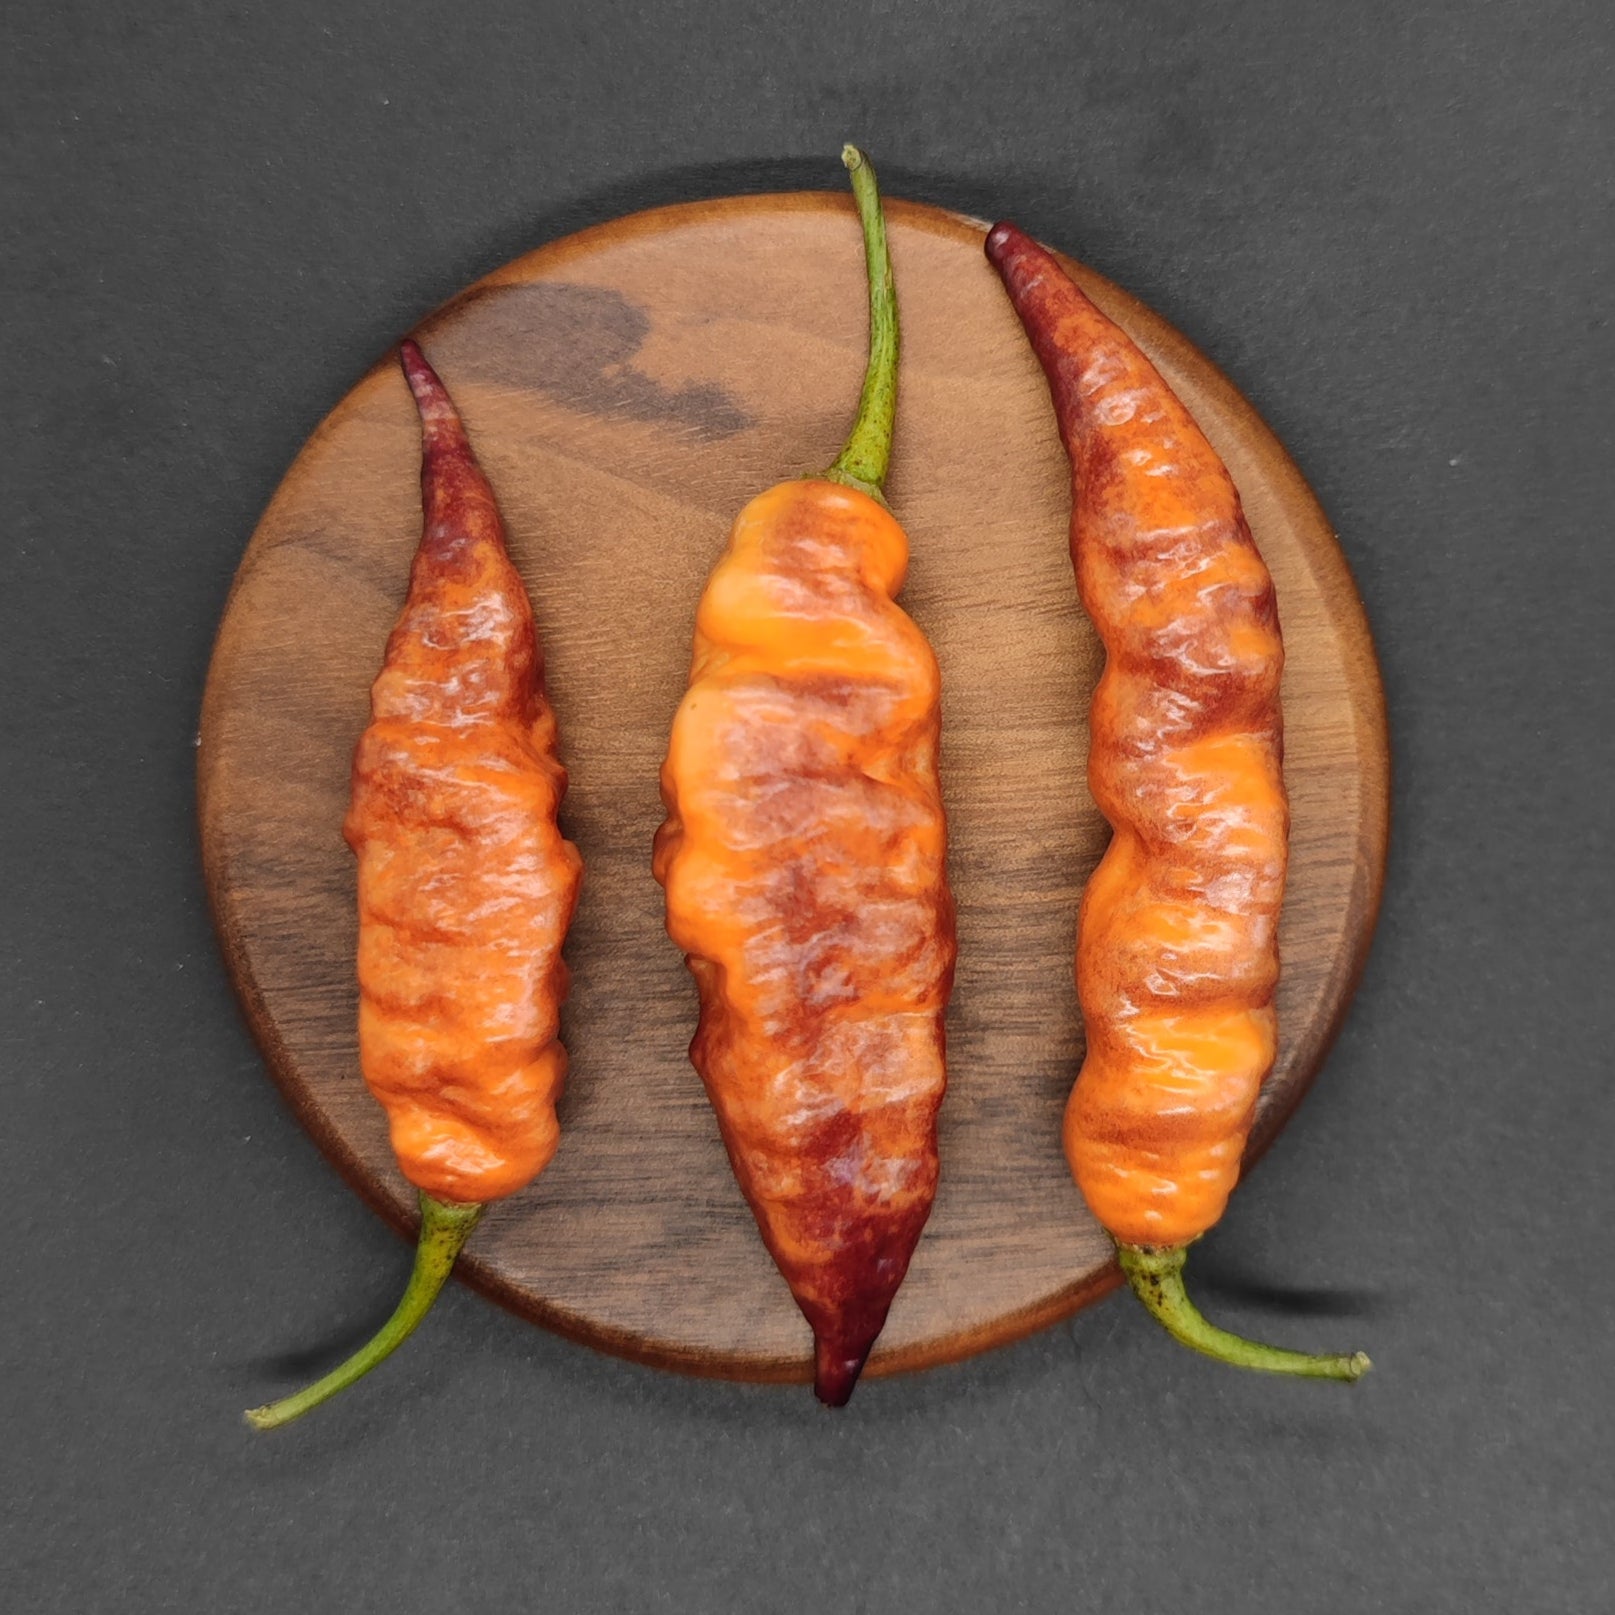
(1177, 950)
(803, 858)
(466, 885)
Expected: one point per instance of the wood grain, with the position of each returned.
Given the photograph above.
(628, 389)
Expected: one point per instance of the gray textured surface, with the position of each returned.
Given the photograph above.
(1394, 226)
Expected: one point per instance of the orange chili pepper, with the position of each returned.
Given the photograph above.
(803, 858)
(466, 885)
(1177, 949)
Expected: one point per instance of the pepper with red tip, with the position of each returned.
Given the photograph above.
(803, 859)
(1177, 944)
(466, 885)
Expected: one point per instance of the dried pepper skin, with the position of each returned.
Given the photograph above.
(466, 885)
(1177, 944)
(804, 862)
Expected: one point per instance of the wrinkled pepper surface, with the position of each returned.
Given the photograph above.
(466, 885)
(1177, 950)
(803, 861)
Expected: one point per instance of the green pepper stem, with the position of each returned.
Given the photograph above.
(444, 1229)
(862, 463)
(1156, 1275)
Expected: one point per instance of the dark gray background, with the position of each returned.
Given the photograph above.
(1392, 224)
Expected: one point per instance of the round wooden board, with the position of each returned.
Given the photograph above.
(627, 390)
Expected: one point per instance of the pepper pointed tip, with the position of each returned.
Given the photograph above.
(999, 240)
(439, 417)
(417, 372)
(836, 1371)
(852, 158)
(422, 378)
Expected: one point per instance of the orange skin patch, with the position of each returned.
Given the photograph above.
(1177, 943)
(466, 885)
(803, 858)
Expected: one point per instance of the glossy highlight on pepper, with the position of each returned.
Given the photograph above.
(1177, 950)
(804, 864)
(466, 886)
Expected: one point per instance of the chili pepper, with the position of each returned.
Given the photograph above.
(803, 859)
(1177, 948)
(466, 886)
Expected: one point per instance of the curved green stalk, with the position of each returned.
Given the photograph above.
(1156, 1275)
(862, 463)
(444, 1229)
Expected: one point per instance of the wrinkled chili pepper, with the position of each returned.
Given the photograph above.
(466, 885)
(1177, 949)
(803, 859)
